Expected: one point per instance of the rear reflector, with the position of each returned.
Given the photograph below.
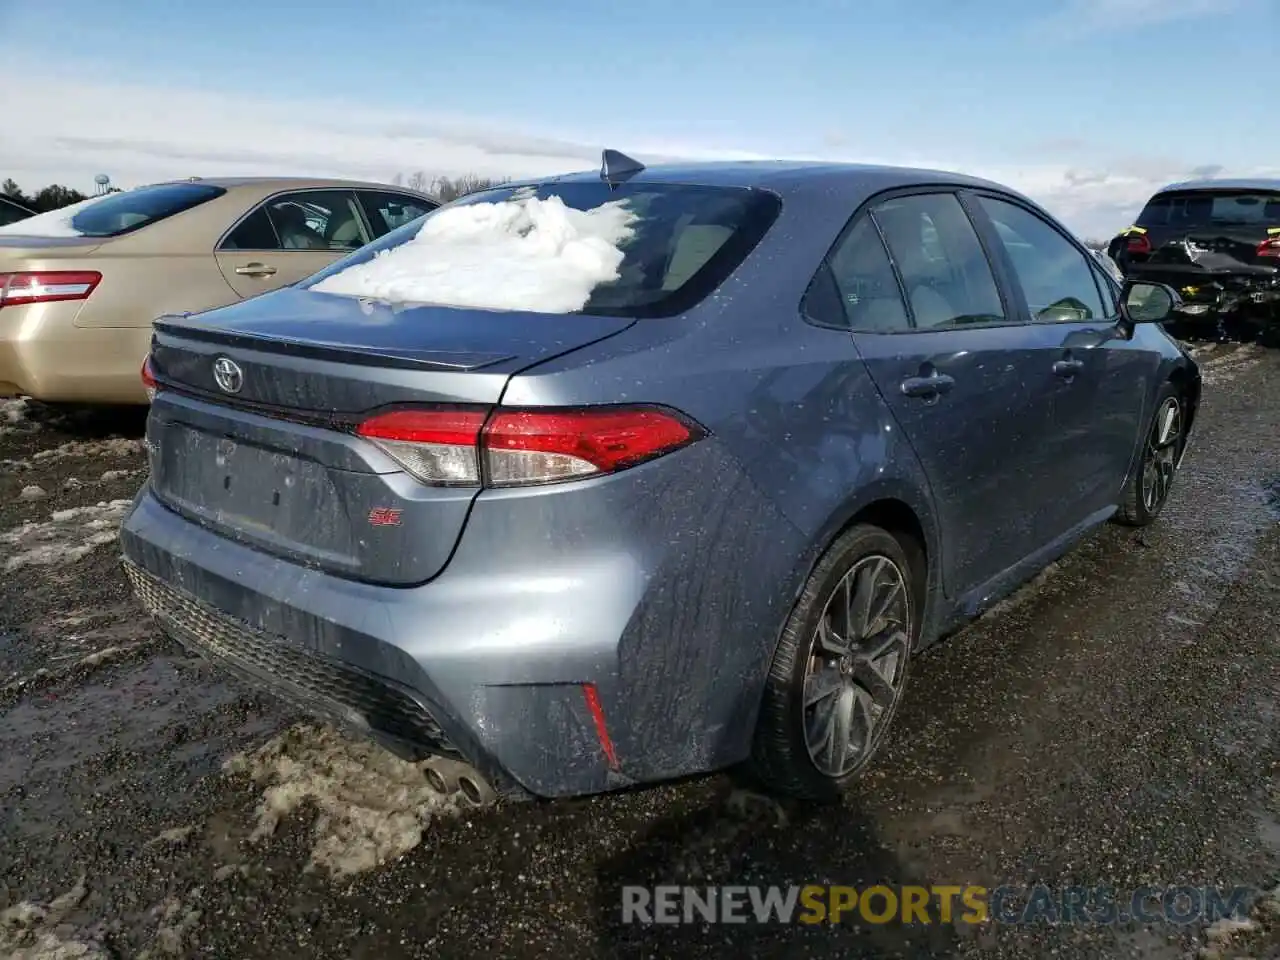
(457, 447)
(46, 286)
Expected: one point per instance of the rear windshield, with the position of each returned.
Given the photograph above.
(1202, 208)
(636, 250)
(117, 213)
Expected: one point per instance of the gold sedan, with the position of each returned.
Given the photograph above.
(80, 286)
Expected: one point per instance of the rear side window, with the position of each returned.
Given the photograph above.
(635, 249)
(120, 213)
(944, 270)
(1056, 277)
(387, 211)
(860, 285)
(1204, 208)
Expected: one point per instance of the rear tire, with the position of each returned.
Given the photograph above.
(840, 667)
(1163, 443)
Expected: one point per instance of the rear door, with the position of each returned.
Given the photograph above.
(1097, 400)
(968, 380)
(289, 237)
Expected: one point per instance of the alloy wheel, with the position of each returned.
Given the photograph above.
(857, 665)
(1160, 459)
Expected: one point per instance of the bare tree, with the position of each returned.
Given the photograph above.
(447, 188)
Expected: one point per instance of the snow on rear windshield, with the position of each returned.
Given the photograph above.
(636, 249)
(55, 223)
(116, 213)
(527, 254)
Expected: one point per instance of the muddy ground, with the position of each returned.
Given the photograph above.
(1117, 723)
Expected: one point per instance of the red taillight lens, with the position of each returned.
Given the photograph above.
(438, 446)
(533, 446)
(149, 379)
(46, 286)
(445, 446)
(1269, 247)
(1138, 244)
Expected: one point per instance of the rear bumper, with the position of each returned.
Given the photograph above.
(44, 355)
(490, 661)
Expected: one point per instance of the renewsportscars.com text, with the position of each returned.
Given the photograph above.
(942, 903)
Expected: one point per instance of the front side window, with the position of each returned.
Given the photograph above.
(634, 249)
(1056, 277)
(324, 220)
(944, 270)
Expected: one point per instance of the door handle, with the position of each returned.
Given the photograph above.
(1066, 369)
(930, 386)
(255, 270)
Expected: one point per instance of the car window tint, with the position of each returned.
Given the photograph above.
(865, 283)
(943, 267)
(1056, 277)
(254, 232)
(317, 220)
(386, 211)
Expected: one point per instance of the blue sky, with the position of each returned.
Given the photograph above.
(1085, 104)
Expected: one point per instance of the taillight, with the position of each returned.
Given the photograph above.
(149, 379)
(1138, 244)
(457, 447)
(46, 286)
(1269, 247)
(533, 446)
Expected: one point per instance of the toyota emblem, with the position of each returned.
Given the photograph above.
(228, 375)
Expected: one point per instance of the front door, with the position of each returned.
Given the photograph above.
(289, 237)
(1102, 384)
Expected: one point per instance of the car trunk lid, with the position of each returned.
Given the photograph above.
(277, 463)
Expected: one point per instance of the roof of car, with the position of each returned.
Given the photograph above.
(785, 176)
(286, 183)
(1248, 183)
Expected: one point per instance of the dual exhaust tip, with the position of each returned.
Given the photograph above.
(455, 778)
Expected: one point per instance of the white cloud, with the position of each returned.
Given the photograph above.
(1080, 17)
(75, 127)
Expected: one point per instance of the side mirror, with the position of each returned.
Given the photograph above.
(1143, 302)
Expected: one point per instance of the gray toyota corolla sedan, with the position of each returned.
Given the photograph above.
(627, 475)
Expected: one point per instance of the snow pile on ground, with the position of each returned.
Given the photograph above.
(15, 417)
(1223, 366)
(65, 537)
(1237, 938)
(87, 449)
(527, 254)
(55, 223)
(27, 931)
(372, 805)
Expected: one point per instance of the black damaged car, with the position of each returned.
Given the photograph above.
(1218, 243)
